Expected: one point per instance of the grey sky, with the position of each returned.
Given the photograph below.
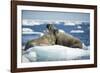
(51, 15)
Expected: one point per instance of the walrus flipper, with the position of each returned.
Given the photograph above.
(76, 43)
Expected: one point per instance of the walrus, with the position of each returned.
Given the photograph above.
(64, 39)
(68, 40)
(55, 37)
(47, 39)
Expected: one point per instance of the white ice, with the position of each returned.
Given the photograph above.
(53, 53)
(30, 22)
(77, 31)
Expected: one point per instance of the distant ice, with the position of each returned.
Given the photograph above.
(38, 33)
(70, 24)
(79, 27)
(76, 31)
(31, 22)
(54, 53)
(30, 31)
(27, 30)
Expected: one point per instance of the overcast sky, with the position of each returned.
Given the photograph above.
(51, 15)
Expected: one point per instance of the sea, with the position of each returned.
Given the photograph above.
(81, 31)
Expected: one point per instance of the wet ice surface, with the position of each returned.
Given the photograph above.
(54, 53)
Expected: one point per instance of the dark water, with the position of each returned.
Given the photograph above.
(84, 37)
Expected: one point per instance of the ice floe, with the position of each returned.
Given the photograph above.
(54, 53)
(76, 31)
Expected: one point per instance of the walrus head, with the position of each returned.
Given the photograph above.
(52, 29)
(50, 26)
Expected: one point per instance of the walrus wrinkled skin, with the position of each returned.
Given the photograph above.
(54, 36)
